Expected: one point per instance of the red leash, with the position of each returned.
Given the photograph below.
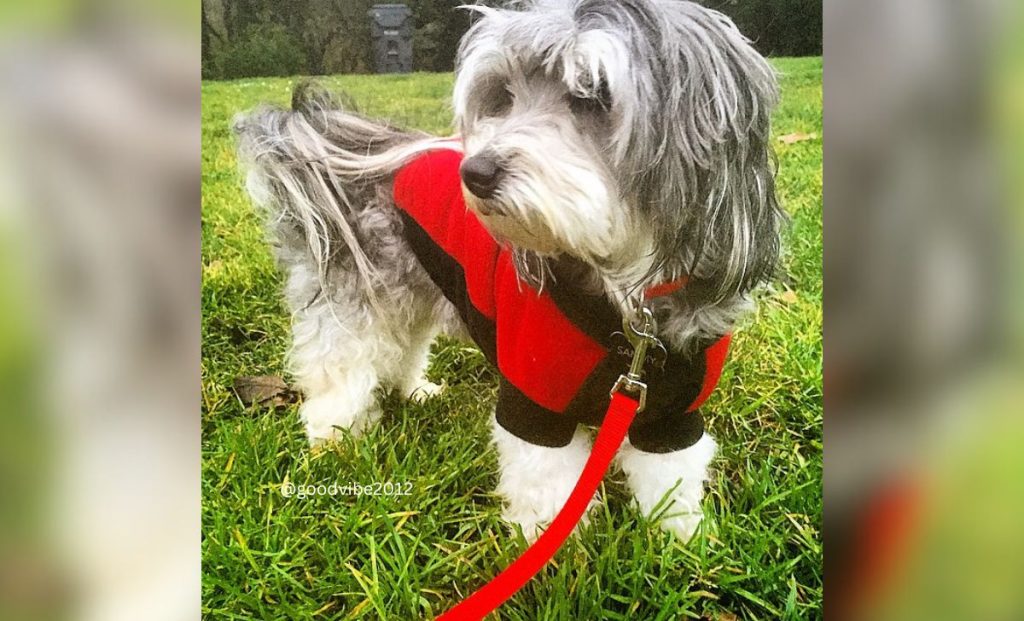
(493, 594)
(621, 412)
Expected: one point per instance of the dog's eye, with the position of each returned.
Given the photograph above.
(497, 102)
(598, 102)
(587, 105)
(595, 102)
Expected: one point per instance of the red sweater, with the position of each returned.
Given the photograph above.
(555, 350)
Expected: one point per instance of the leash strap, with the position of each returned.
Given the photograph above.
(621, 412)
(640, 330)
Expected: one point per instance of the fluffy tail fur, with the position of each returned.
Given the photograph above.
(317, 169)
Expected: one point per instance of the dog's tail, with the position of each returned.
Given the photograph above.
(314, 168)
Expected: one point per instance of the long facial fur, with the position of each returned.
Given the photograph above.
(675, 176)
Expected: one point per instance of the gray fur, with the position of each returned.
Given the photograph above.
(322, 175)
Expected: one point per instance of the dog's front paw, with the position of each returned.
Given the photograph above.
(535, 481)
(425, 391)
(678, 512)
(533, 519)
(530, 523)
(681, 523)
(669, 487)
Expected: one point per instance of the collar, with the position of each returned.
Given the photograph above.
(666, 288)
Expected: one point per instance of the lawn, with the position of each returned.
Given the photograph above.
(267, 556)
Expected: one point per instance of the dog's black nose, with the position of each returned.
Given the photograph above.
(481, 174)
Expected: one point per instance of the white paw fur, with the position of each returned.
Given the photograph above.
(326, 414)
(424, 391)
(670, 486)
(535, 481)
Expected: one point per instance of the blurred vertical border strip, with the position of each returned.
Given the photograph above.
(99, 310)
(923, 475)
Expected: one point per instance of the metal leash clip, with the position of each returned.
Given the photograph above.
(641, 338)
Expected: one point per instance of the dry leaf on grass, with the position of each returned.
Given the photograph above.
(796, 137)
(265, 390)
(788, 296)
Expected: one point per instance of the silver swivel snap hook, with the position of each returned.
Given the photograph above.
(640, 330)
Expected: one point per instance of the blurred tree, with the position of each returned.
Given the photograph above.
(440, 25)
(248, 37)
(349, 51)
(776, 27)
(263, 49)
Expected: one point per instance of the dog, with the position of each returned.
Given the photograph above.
(604, 149)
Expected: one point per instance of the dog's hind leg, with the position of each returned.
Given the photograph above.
(337, 358)
(412, 382)
(337, 377)
(442, 318)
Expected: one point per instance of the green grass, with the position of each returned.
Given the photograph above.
(270, 557)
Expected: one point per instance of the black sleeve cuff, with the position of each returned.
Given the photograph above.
(530, 422)
(667, 433)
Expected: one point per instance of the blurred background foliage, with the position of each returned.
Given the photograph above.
(248, 38)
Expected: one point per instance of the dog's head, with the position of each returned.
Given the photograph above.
(624, 133)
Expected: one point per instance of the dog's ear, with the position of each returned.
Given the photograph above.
(716, 200)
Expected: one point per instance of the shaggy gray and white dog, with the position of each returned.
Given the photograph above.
(631, 135)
